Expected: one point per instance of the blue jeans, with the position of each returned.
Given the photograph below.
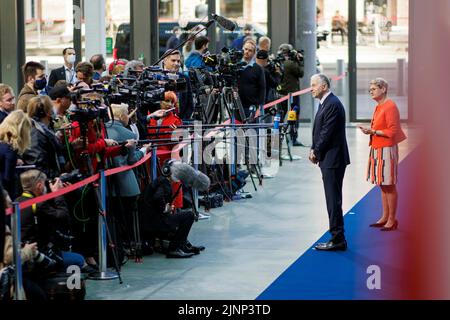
(72, 259)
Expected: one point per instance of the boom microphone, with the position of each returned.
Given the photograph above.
(188, 176)
(224, 22)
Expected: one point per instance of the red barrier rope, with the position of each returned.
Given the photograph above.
(295, 94)
(75, 186)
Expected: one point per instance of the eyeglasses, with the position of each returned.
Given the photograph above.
(373, 89)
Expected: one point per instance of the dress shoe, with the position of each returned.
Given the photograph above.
(377, 224)
(178, 253)
(188, 247)
(332, 246)
(391, 228)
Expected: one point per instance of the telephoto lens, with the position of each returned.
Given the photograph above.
(44, 261)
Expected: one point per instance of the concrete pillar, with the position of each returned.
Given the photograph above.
(12, 43)
(306, 39)
(95, 28)
(278, 23)
(144, 30)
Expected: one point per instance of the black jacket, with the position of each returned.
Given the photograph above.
(329, 140)
(3, 115)
(252, 86)
(56, 75)
(43, 224)
(45, 151)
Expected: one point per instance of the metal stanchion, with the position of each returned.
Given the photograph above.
(103, 274)
(19, 293)
(154, 164)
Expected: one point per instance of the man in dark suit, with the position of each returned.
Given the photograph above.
(330, 151)
(67, 71)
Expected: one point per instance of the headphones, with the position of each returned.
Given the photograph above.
(165, 170)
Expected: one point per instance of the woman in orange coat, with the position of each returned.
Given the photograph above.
(385, 133)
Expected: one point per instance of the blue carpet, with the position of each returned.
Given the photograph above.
(322, 275)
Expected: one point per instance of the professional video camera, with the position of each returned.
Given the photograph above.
(87, 103)
(276, 62)
(146, 88)
(293, 55)
(228, 65)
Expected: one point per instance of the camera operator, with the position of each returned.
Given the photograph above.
(293, 71)
(99, 63)
(45, 152)
(93, 141)
(195, 59)
(172, 63)
(48, 223)
(60, 95)
(135, 66)
(272, 74)
(251, 82)
(163, 218)
(85, 73)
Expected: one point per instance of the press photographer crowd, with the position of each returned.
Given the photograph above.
(71, 123)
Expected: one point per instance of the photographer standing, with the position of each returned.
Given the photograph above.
(272, 74)
(45, 151)
(293, 71)
(252, 81)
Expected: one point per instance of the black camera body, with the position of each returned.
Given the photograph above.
(227, 65)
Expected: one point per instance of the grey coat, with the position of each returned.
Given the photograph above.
(124, 184)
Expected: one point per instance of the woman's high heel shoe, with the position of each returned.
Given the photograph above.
(377, 225)
(392, 228)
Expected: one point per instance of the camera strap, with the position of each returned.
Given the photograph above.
(33, 206)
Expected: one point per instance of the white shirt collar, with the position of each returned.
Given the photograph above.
(325, 97)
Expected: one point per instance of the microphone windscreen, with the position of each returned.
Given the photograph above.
(189, 177)
(225, 23)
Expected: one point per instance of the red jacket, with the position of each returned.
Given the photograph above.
(96, 146)
(386, 118)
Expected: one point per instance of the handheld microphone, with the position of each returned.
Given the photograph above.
(224, 22)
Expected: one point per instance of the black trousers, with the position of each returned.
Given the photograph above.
(332, 182)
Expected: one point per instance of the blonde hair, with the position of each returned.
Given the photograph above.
(41, 104)
(29, 178)
(4, 89)
(119, 110)
(380, 83)
(15, 130)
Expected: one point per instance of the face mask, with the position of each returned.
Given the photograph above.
(71, 59)
(40, 84)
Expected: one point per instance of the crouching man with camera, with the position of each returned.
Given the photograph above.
(162, 220)
(47, 225)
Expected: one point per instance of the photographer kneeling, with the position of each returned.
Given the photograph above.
(47, 223)
(164, 219)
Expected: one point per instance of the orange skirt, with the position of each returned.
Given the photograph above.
(382, 168)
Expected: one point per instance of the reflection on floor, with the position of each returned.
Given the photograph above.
(249, 243)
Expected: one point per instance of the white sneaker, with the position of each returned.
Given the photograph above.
(203, 216)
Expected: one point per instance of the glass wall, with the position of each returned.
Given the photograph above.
(332, 52)
(382, 33)
(48, 30)
(382, 47)
(189, 13)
